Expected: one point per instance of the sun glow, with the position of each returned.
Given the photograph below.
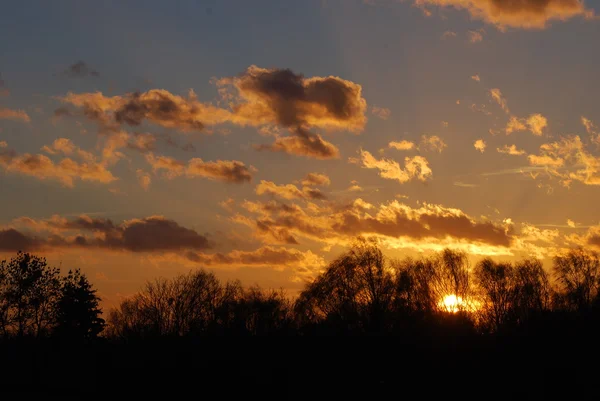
(452, 303)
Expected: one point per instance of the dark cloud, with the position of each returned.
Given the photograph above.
(150, 234)
(303, 143)
(80, 70)
(13, 240)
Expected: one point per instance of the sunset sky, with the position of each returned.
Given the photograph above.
(257, 139)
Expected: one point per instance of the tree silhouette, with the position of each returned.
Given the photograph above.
(354, 293)
(29, 291)
(78, 312)
(578, 277)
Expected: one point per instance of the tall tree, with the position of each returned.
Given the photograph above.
(78, 311)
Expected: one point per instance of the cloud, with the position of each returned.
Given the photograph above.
(303, 143)
(381, 112)
(316, 179)
(571, 223)
(475, 36)
(231, 171)
(464, 185)
(535, 123)
(284, 98)
(396, 224)
(156, 105)
(511, 150)
(150, 234)
(402, 145)
(568, 160)
(270, 99)
(66, 171)
(476, 78)
(480, 145)
(3, 144)
(432, 143)
(79, 70)
(9, 114)
(480, 109)
(416, 167)
(267, 256)
(449, 34)
(288, 191)
(525, 14)
(591, 129)
(545, 160)
(288, 100)
(496, 94)
(144, 179)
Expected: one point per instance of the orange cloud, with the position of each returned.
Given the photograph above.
(316, 179)
(480, 145)
(9, 114)
(396, 224)
(496, 94)
(231, 171)
(432, 143)
(288, 191)
(402, 145)
(66, 171)
(511, 150)
(414, 167)
(303, 143)
(525, 14)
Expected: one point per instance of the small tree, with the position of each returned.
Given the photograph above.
(78, 313)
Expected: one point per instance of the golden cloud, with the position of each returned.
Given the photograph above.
(416, 167)
(525, 14)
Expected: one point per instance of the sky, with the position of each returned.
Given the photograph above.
(258, 139)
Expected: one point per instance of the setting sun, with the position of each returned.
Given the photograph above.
(452, 303)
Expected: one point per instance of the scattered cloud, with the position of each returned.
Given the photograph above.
(381, 112)
(432, 143)
(230, 171)
(66, 171)
(480, 145)
(402, 145)
(9, 114)
(496, 94)
(288, 191)
(535, 123)
(511, 150)
(476, 78)
(591, 129)
(416, 167)
(316, 179)
(475, 36)
(144, 179)
(449, 35)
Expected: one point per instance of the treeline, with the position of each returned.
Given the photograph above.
(361, 292)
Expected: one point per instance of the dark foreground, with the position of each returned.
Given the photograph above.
(328, 368)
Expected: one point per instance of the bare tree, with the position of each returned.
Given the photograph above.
(577, 273)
